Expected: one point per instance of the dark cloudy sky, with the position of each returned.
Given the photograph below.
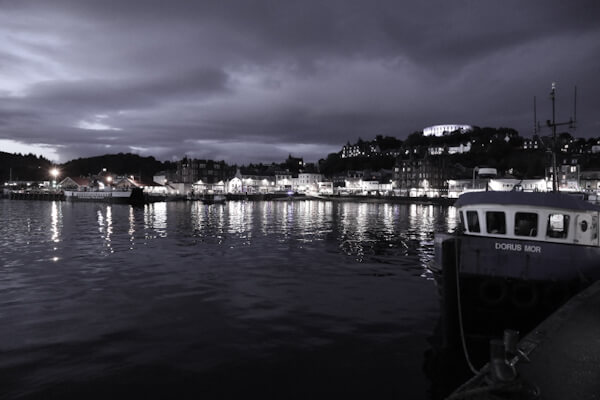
(255, 80)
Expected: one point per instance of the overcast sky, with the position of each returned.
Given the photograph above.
(255, 80)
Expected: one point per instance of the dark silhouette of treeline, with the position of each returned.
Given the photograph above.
(36, 168)
(23, 167)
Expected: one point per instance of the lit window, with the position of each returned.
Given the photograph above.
(558, 226)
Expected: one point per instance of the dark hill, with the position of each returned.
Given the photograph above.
(121, 164)
(23, 167)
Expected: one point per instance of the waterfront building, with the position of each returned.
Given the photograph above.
(180, 187)
(524, 185)
(100, 181)
(589, 181)
(250, 184)
(593, 146)
(164, 177)
(325, 187)
(202, 187)
(75, 183)
(456, 187)
(567, 174)
(440, 130)
(421, 176)
(308, 182)
(339, 180)
(125, 183)
(375, 187)
(194, 170)
(160, 177)
(283, 181)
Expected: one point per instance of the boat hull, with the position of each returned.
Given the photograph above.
(520, 259)
(528, 260)
(500, 273)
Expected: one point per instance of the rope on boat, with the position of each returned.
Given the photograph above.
(460, 320)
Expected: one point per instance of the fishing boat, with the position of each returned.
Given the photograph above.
(524, 247)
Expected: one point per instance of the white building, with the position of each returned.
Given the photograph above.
(440, 130)
(460, 149)
(325, 187)
(181, 188)
(283, 181)
(201, 187)
(308, 182)
(526, 185)
(160, 179)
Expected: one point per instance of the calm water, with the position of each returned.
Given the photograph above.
(300, 299)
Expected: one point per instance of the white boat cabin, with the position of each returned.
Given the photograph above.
(548, 217)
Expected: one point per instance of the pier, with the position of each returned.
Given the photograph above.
(559, 359)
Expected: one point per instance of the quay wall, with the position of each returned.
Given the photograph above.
(48, 196)
(106, 196)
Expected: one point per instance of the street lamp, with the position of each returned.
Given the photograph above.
(54, 172)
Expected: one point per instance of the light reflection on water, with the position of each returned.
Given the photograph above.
(203, 285)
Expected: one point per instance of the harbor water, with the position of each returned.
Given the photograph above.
(304, 299)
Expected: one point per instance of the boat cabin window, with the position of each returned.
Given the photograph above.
(473, 221)
(495, 222)
(526, 224)
(558, 226)
(463, 226)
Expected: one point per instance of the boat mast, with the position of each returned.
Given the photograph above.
(536, 124)
(553, 125)
(554, 172)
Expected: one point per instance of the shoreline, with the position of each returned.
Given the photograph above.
(442, 201)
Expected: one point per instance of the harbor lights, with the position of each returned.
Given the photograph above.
(109, 180)
(54, 173)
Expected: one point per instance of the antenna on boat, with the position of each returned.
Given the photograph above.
(534, 117)
(574, 123)
(536, 124)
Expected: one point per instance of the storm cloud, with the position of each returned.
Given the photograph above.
(256, 80)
